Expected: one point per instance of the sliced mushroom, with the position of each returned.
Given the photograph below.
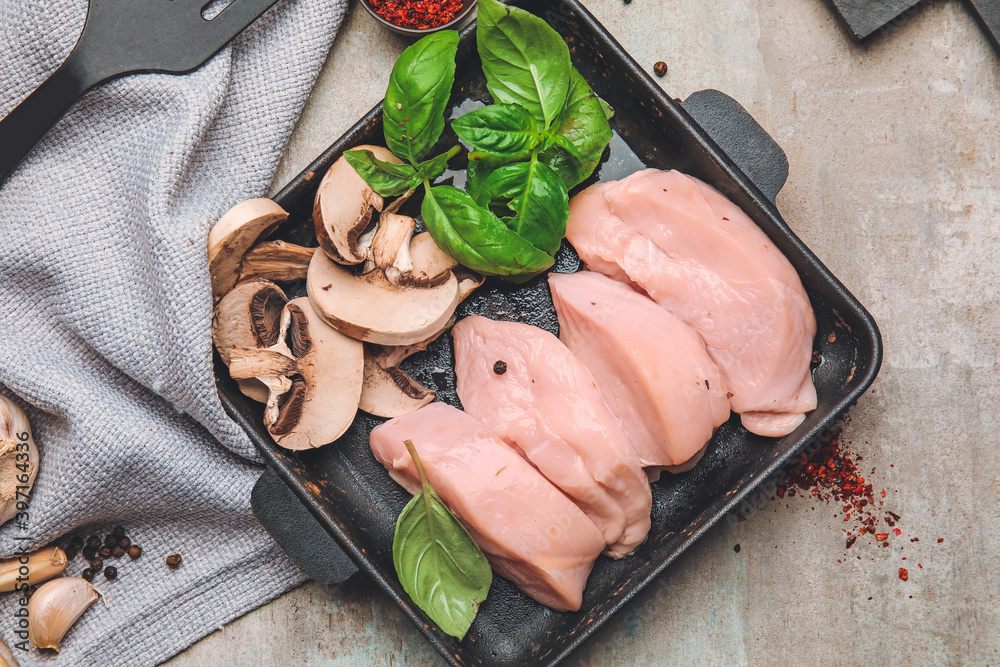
(370, 308)
(430, 263)
(342, 211)
(276, 260)
(388, 390)
(249, 316)
(325, 370)
(233, 235)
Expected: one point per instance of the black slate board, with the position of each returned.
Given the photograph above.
(864, 17)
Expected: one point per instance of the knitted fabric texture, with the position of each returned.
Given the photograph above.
(105, 322)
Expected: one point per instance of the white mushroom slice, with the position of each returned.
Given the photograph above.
(342, 211)
(370, 308)
(276, 260)
(388, 390)
(326, 373)
(430, 262)
(233, 235)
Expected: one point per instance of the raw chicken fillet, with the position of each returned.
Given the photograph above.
(530, 532)
(700, 257)
(652, 369)
(546, 405)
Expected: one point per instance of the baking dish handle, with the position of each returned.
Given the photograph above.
(297, 531)
(741, 138)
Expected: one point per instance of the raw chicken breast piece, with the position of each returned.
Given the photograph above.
(652, 369)
(547, 405)
(699, 256)
(530, 532)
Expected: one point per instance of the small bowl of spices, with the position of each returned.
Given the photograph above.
(419, 17)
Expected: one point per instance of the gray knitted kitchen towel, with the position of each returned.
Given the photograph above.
(105, 316)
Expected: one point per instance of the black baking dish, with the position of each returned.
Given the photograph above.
(354, 499)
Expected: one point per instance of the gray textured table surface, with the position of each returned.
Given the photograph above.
(892, 148)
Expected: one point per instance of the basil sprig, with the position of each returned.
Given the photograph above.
(438, 564)
(545, 134)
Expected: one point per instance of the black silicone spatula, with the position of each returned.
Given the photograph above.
(124, 37)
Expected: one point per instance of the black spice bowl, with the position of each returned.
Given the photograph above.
(463, 13)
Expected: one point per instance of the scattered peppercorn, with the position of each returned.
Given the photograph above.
(500, 367)
(134, 551)
(94, 542)
(89, 553)
(110, 572)
(88, 574)
(124, 543)
(70, 553)
(110, 541)
(904, 573)
(736, 548)
(117, 552)
(420, 15)
(660, 68)
(104, 552)
(76, 542)
(118, 532)
(96, 563)
(174, 561)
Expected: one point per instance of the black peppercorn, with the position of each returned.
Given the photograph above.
(96, 563)
(88, 574)
(94, 542)
(104, 552)
(70, 553)
(117, 552)
(660, 68)
(500, 367)
(124, 543)
(134, 551)
(118, 532)
(174, 561)
(89, 553)
(110, 572)
(110, 541)
(76, 542)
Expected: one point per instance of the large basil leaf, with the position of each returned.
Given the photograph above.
(481, 165)
(526, 62)
(478, 239)
(386, 178)
(417, 96)
(498, 128)
(538, 198)
(439, 565)
(584, 124)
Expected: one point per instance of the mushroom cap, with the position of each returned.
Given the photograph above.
(343, 207)
(327, 386)
(233, 235)
(370, 308)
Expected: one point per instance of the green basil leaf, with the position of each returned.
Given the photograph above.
(481, 165)
(439, 565)
(418, 93)
(434, 167)
(584, 124)
(609, 113)
(538, 198)
(526, 62)
(478, 239)
(499, 128)
(386, 178)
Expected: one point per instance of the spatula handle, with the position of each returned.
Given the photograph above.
(25, 126)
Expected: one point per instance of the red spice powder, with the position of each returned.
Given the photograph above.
(418, 14)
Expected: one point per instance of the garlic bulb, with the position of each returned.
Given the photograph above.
(55, 607)
(18, 459)
(32, 569)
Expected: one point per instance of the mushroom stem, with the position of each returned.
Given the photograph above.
(246, 363)
(276, 260)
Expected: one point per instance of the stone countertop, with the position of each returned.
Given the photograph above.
(892, 147)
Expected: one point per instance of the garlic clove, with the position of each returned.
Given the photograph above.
(55, 607)
(7, 658)
(18, 459)
(37, 567)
